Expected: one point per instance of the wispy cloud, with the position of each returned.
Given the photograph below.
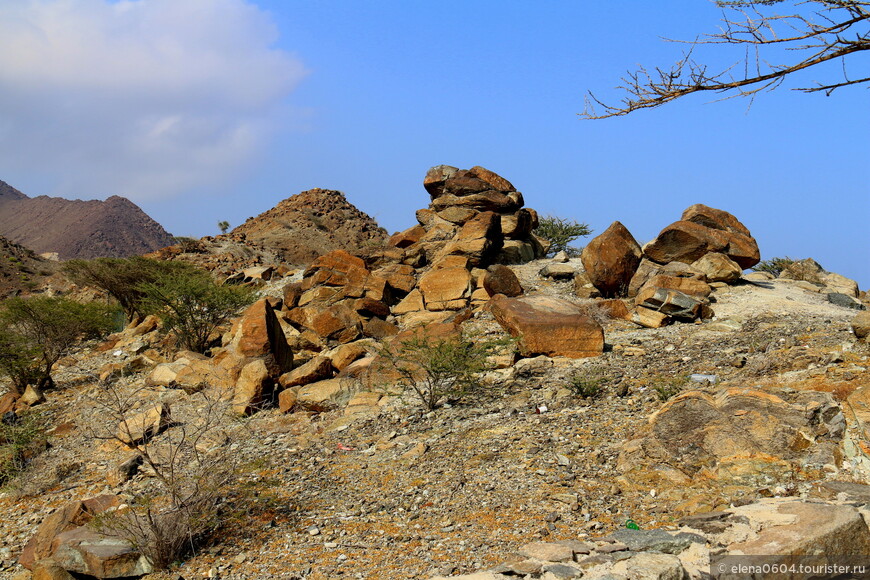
(144, 98)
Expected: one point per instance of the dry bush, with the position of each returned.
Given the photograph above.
(192, 471)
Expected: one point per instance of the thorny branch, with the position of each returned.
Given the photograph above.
(836, 29)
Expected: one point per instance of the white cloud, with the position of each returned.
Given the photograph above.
(143, 98)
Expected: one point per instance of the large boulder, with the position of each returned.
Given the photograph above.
(611, 259)
(718, 268)
(140, 427)
(861, 324)
(446, 288)
(702, 230)
(260, 334)
(549, 326)
(500, 279)
(740, 435)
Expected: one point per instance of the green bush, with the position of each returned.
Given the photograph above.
(773, 266)
(586, 385)
(42, 329)
(22, 437)
(192, 305)
(121, 277)
(437, 368)
(560, 232)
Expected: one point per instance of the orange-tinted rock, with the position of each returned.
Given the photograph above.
(691, 286)
(345, 354)
(436, 177)
(611, 259)
(614, 308)
(337, 260)
(260, 334)
(718, 268)
(443, 288)
(369, 307)
(501, 280)
(380, 329)
(485, 201)
(517, 226)
(292, 292)
(286, 400)
(670, 302)
(317, 369)
(407, 238)
(703, 230)
(253, 389)
(400, 277)
(338, 322)
(549, 326)
(495, 181)
(85, 551)
(413, 302)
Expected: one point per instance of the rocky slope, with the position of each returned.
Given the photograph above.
(115, 227)
(715, 410)
(309, 224)
(21, 270)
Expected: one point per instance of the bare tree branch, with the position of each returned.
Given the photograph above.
(835, 30)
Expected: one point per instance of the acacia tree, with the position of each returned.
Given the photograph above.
(815, 32)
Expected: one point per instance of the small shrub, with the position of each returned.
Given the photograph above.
(586, 385)
(189, 245)
(192, 470)
(223, 226)
(192, 305)
(667, 387)
(560, 232)
(773, 266)
(40, 330)
(22, 437)
(437, 368)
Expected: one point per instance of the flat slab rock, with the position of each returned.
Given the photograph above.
(549, 326)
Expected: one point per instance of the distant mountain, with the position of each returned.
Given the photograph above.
(116, 227)
(310, 224)
(20, 269)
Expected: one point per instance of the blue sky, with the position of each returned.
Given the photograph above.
(208, 110)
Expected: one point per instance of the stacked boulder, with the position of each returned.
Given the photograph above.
(670, 278)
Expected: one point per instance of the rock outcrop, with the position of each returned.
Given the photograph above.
(611, 259)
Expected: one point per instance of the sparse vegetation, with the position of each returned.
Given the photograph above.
(42, 329)
(192, 305)
(120, 278)
(666, 387)
(223, 226)
(560, 232)
(193, 469)
(22, 437)
(437, 368)
(773, 266)
(189, 245)
(586, 384)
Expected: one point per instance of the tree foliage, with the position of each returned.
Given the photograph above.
(192, 305)
(40, 330)
(560, 232)
(813, 32)
(121, 277)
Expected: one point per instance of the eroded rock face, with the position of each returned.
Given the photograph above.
(738, 434)
(611, 259)
(702, 230)
(260, 335)
(549, 326)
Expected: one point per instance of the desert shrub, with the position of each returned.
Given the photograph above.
(191, 467)
(560, 232)
(22, 437)
(666, 388)
(586, 384)
(189, 245)
(192, 305)
(223, 226)
(436, 368)
(40, 330)
(773, 266)
(120, 277)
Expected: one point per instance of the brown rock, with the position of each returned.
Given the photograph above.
(260, 334)
(861, 324)
(369, 307)
(436, 177)
(287, 400)
(85, 551)
(317, 369)
(407, 238)
(443, 288)
(737, 433)
(549, 326)
(614, 308)
(457, 215)
(49, 570)
(702, 231)
(292, 293)
(378, 328)
(718, 268)
(501, 280)
(647, 269)
(338, 322)
(253, 389)
(611, 259)
(495, 181)
(324, 395)
(693, 287)
(650, 318)
(141, 427)
(345, 354)
(517, 226)
(670, 302)
(413, 302)
(7, 403)
(485, 201)
(400, 277)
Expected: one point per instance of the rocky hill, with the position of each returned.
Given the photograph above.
(21, 270)
(115, 227)
(656, 409)
(310, 224)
